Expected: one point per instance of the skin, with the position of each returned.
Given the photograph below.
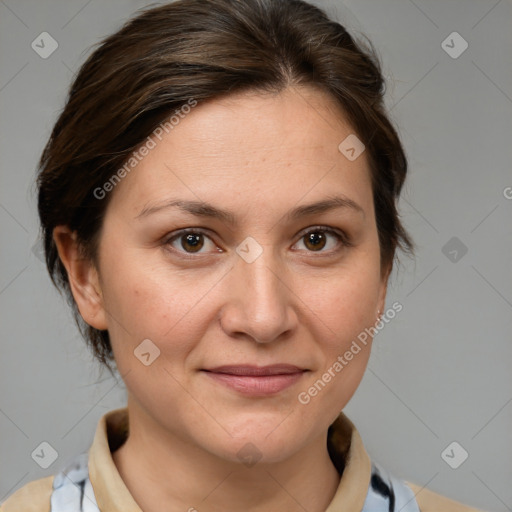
(260, 156)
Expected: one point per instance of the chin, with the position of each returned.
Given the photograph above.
(255, 450)
(260, 437)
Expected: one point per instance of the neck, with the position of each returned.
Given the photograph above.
(159, 468)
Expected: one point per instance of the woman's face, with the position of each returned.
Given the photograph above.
(258, 285)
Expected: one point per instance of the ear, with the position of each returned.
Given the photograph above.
(83, 278)
(381, 303)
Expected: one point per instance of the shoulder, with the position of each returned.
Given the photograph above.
(429, 501)
(388, 492)
(32, 497)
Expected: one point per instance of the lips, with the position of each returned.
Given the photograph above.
(256, 381)
(256, 371)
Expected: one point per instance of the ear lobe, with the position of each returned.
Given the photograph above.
(83, 278)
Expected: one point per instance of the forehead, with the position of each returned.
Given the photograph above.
(251, 150)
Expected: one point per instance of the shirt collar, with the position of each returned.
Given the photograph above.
(345, 447)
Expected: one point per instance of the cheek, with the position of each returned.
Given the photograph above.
(155, 303)
(346, 308)
(347, 302)
(346, 305)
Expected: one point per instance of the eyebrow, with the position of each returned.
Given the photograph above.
(203, 209)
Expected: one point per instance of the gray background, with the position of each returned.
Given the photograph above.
(440, 372)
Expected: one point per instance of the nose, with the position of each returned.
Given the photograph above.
(260, 304)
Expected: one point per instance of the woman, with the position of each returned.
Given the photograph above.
(218, 200)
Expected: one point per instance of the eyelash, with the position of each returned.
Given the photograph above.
(341, 236)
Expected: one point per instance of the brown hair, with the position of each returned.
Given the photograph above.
(203, 49)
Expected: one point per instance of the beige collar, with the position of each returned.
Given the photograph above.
(344, 443)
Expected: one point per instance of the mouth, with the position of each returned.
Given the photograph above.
(256, 371)
(256, 380)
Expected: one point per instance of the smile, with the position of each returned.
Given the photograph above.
(256, 381)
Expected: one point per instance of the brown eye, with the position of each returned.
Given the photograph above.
(195, 241)
(315, 240)
(324, 240)
(191, 242)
